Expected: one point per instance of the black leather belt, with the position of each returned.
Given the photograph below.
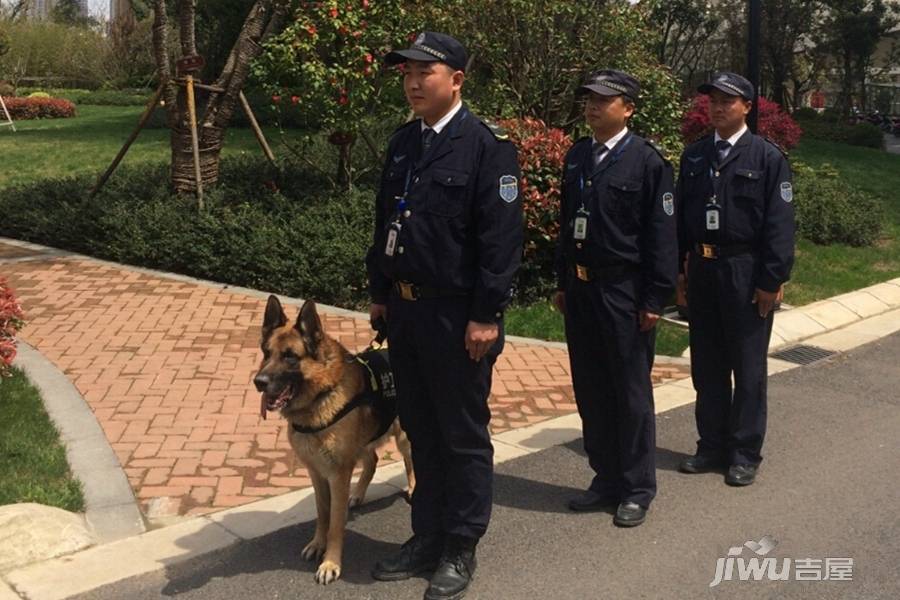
(413, 291)
(713, 251)
(585, 273)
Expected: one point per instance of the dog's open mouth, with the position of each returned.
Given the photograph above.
(278, 402)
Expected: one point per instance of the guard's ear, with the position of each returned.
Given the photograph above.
(273, 319)
(310, 327)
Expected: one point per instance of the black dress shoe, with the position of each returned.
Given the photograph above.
(741, 475)
(701, 463)
(630, 514)
(454, 573)
(591, 501)
(419, 554)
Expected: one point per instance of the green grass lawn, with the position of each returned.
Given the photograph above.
(87, 143)
(33, 465)
(541, 320)
(824, 271)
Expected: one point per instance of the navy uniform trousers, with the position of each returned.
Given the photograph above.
(727, 332)
(443, 407)
(611, 361)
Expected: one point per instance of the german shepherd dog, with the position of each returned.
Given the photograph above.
(311, 379)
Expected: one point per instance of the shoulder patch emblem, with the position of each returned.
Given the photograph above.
(787, 191)
(509, 188)
(669, 203)
(498, 131)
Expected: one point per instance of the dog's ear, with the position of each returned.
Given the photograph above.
(273, 319)
(310, 327)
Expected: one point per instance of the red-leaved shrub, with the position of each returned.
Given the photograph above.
(542, 150)
(11, 321)
(774, 123)
(21, 109)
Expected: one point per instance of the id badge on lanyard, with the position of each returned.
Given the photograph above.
(712, 215)
(579, 231)
(393, 235)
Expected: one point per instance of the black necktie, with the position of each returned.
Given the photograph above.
(427, 137)
(599, 153)
(722, 147)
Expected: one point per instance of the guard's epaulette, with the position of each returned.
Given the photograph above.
(404, 126)
(497, 131)
(658, 148)
(777, 145)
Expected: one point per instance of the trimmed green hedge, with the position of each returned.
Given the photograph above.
(129, 97)
(829, 211)
(827, 129)
(296, 241)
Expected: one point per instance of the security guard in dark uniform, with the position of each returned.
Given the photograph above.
(736, 228)
(616, 268)
(448, 241)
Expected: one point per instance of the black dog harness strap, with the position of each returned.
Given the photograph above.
(380, 394)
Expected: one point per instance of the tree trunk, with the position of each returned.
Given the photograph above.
(183, 177)
(265, 18)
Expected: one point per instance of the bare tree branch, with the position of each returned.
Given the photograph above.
(187, 11)
(161, 56)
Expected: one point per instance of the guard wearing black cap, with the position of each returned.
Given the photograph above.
(736, 230)
(616, 267)
(448, 241)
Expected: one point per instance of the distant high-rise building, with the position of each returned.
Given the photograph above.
(40, 9)
(120, 10)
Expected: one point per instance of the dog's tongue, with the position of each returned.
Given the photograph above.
(262, 406)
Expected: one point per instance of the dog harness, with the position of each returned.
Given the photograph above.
(380, 394)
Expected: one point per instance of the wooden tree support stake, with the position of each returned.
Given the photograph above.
(195, 142)
(257, 130)
(148, 112)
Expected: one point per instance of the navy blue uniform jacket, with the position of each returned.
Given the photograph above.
(753, 188)
(464, 229)
(629, 196)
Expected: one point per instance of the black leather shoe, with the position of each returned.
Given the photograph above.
(701, 463)
(454, 573)
(419, 554)
(741, 475)
(591, 501)
(630, 514)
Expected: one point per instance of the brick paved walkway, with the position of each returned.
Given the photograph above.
(166, 366)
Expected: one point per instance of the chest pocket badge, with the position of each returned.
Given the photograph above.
(509, 188)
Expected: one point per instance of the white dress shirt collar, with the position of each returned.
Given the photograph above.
(437, 127)
(611, 142)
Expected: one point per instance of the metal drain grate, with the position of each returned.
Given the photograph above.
(802, 354)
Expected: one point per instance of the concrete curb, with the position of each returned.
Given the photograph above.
(111, 511)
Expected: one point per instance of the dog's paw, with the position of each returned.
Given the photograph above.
(313, 550)
(355, 501)
(408, 494)
(328, 572)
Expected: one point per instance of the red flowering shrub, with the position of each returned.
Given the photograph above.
(541, 153)
(774, 123)
(21, 109)
(11, 321)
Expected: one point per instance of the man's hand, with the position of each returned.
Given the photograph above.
(479, 338)
(377, 311)
(648, 320)
(764, 301)
(559, 301)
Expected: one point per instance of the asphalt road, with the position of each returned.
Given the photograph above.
(828, 488)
